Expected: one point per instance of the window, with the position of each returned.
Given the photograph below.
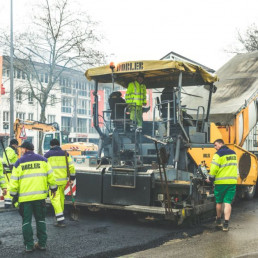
(66, 105)
(67, 90)
(66, 85)
(51, 119)
(6, 72)
(30, 98)
(41, 96)
(91, 128)
(18, 95)
(52, 100)
(20, 115)
(46, 78)
(81, 109)
(30, 116)
(82, 91)
(88, 107)
(66, 124)
(17, 73)
(41, 76)
(24, 75)
(81, 125)
(5, 120)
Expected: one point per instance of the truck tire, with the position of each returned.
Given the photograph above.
(250, 192)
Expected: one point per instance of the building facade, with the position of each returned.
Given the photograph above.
(68, 102)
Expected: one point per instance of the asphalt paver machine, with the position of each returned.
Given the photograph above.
(158, 169)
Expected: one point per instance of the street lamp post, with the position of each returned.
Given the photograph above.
(11, 74)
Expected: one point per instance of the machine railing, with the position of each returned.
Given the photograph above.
(175, 118)
(200, 119)
(164, 121)
(125, 126)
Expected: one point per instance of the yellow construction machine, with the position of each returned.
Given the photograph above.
(160, 169)
(50, 131)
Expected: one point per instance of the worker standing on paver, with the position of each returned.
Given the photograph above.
(57, 159)
(136, 98)
(31, 177)
(10, 156)
(223, 173)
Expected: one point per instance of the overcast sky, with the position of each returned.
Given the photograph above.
(146, 29)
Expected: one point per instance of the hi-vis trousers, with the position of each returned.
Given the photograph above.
(58, 202)
(136, 114)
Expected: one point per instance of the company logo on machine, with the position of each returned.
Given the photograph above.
(131, 66)
(67, 188)
(23, 134)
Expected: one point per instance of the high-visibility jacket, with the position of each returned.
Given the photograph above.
(224, 166)
(31, 176)
(136, 94)
(56, 158)
(2, 180)
(11, 155)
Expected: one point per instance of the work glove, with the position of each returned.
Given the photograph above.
(53, 193)
(15, 201)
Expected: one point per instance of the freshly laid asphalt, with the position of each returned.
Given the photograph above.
(113, 234)
(101, 234)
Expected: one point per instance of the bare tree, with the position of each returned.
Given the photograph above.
(59, 39)
(248, 41)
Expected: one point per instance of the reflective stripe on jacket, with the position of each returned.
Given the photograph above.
(11, 154)
(56, 158)
(2, 180)
(136, 94)
(31, 176)
(224, 166)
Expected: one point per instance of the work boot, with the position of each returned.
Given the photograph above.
(225, 227)
(29, 249)
(60, 224)
(39, 247)
(218, 223)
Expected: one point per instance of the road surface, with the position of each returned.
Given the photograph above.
(113, 234)
(240, 241)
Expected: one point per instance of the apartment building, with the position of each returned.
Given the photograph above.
(68, 102)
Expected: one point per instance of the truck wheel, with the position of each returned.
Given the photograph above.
(250, 192)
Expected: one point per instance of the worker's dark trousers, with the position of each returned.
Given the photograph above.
(38, 209)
